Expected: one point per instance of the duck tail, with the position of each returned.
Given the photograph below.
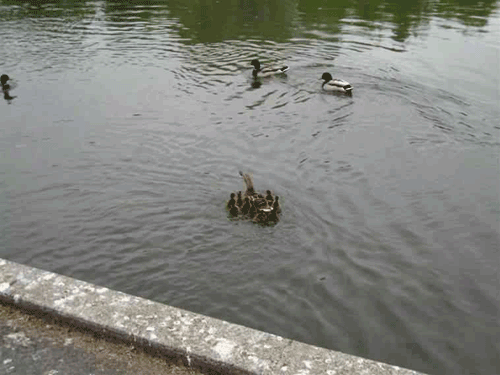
(249, 182)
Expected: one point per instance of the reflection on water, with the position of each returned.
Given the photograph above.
(213, 21)
(130, 123)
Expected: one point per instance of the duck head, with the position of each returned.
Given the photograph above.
(256, 64)
(327, 77)
(4, 78)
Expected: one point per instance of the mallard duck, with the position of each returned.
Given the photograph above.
(266, 71)
(6, 87)
(250, 192)
(3, 79)
(331, 84)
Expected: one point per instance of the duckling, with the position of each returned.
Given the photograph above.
(252, 210)
(234, 211)
(231, 202)
(273, 216)
(269, 197)
(246, 207)
(239, 201)
(276, 206)
(331, 84)
(267, 70)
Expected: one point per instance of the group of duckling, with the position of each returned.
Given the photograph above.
(254, 206)
(329, 83)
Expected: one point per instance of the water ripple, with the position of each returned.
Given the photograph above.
(132, 122)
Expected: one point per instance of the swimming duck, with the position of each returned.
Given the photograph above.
(234, 211)
(249, 183)
(266, 71)
(331, 84)
(231, 202)
(273, 216)
(3, 80)
(6, 87)
(246, 207)
(252, 211)
(239, 201)
(269, 197)
(276, 205)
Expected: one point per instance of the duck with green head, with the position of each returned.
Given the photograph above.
(3, 80)
(266, 71)
(339, 85)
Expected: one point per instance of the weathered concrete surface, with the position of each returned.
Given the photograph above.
(33, 346)
(198, 340)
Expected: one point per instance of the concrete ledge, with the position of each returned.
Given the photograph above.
(198, 340)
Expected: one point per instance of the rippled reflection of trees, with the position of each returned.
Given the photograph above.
(469, 12)
(403, 17)
(216, 20)
(212, 20)
(11, 9)
(124, 13)
(278, 20)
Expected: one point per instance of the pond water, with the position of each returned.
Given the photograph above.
(127, 125)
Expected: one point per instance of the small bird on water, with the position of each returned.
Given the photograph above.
(331, 84)
(266, 71)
